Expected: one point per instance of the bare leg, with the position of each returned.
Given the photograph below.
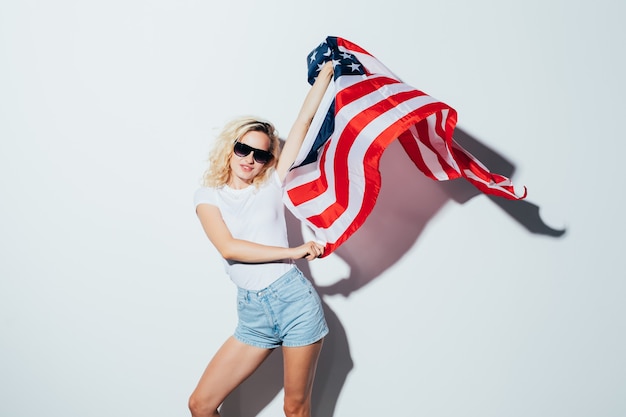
(232, 364)
(300, 364)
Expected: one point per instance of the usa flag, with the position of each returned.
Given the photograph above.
(335, 180)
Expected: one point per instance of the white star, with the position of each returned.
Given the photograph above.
(320, 66)
(328, 52)
(312, 58)
(354, 66)
(335, 62)
(346, 55)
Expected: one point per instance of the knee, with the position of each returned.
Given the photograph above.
(201, 408)
(297, 407)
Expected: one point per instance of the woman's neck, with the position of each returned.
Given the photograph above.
(237, 184)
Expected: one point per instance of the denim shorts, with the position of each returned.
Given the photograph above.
(287, 313)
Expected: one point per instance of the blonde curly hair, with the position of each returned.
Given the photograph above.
(218, 172)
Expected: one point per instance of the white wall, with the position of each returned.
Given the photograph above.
(112, 300)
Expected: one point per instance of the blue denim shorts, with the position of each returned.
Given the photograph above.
(287, 313)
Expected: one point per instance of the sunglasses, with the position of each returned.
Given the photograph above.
(259, 155)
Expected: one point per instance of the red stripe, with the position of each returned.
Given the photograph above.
(349, 133)
(426, 140)
(488, 180)
(351, 46)
(362, 88)
(329, 215)
(371, 187)
(310, 190)
(439, 130)
(307, 191)
(372, 176)
(409, 143)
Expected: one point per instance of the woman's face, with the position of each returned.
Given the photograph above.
(244, 168)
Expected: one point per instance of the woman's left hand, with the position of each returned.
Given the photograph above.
(310, 250)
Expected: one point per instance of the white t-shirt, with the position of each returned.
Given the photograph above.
(253, 214)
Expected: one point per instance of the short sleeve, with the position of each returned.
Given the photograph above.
(204, 195)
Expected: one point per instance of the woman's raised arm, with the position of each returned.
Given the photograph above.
(303, 121)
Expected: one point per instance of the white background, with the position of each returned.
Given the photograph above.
(112, 300)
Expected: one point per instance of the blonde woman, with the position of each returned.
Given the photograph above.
(241, 211)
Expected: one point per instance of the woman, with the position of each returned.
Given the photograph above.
(240, 208)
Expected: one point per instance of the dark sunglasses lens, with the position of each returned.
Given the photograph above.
(261, 156)
(241, 149)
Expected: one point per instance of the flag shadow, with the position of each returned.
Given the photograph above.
(407, 201)
(522, 211)
(406, 204)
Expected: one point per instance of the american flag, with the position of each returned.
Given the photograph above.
(335, 180)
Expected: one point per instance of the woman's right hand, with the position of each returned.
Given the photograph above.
(310, 250)
(327, 70)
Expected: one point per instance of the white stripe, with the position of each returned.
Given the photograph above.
(469, 155)
(355, 173)
(320, 203)
(309, 172)
(493, 185)
(361, 143)
(439, 143)
(430, 159)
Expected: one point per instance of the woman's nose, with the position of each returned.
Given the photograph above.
(249, 158)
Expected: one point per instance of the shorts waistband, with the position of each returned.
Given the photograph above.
(283, 280)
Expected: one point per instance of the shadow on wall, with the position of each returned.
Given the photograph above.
(406, 204)
(407, 201)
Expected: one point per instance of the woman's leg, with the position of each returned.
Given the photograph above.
(300, 364)
(232, 364)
